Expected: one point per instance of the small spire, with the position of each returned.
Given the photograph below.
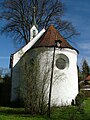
(34, 17)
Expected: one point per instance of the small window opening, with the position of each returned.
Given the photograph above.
(34, 33)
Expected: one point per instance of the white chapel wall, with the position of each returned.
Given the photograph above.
(65, 82)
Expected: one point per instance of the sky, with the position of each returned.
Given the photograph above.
(77, 12)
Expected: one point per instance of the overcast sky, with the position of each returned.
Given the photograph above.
(77, 12)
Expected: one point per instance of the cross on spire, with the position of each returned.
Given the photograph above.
(34, 17)
(34, 10)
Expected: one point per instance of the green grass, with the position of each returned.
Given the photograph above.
(63, 113)
(87, 105)
(87, 109)
(7, 113)
(12, 117)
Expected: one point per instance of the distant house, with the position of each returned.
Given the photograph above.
(65, 75)
(85, 85)
(88, 79)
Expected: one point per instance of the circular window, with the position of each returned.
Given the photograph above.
(62, 61)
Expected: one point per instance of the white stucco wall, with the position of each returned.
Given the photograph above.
(15, 83)
(65, 82)
(16, 68)
(17, 56)
(65, 87)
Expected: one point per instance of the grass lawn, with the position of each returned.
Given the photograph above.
(87, 105)
(7, 113)
(72, 113)
(64, 113)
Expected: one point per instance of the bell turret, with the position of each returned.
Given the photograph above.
(33, 30)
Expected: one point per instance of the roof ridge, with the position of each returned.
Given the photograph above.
(49, 37)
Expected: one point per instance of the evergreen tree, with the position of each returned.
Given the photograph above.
(80, 76)
(85, 69)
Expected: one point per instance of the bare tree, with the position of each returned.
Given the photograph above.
(34, 85)
(17, 16)
(35, 81)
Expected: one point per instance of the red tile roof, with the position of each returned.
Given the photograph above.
(88, 78)
(49, 37)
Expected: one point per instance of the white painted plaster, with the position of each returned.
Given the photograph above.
(21, 52)
(65, 82)
(31, 32)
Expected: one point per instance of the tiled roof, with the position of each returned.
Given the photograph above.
(88, 78)
(49, 37)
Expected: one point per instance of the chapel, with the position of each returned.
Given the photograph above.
(56, 60)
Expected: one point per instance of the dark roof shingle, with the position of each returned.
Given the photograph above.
(49, 37)
(88, 78)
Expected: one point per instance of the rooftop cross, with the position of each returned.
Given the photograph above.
(34, 9)
(34, 17)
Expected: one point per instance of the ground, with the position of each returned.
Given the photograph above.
(64, 113)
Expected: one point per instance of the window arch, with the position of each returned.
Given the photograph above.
(34, 33)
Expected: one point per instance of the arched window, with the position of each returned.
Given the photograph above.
(34, 33)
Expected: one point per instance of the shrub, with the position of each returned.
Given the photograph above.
(79, 101)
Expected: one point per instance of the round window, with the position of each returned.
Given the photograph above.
(62, 61)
